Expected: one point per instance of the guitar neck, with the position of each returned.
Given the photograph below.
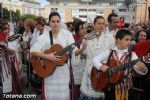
(69, 48)
(73, 45)
(124, 66)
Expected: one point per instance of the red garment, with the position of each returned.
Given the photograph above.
(77, 38)
(142, 48)
(120, 24)
(43, 90)
(3, 36)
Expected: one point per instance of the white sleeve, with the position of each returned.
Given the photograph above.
(144, 72)
(14, 45)
(134, 56)
(34, 37)
(70, 38)
(112, 43)
(136, 69)
(39, 44)
(97, 60)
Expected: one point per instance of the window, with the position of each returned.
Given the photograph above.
(92, 10)
(100, 11)
(113, 11)
(54, 9)
(112, 4)
(122, 10)
(82, 10)
(82, 16)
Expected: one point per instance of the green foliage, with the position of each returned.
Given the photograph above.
(23, 17)
(5, 13)
(16, 15)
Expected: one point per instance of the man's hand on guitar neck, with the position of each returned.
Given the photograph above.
(53, 57)
(104, 68)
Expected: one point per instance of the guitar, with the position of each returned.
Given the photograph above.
(101, 80)
(44, 68)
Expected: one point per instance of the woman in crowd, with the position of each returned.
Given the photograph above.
(55, 86)
(141, 36)
(25, 44)
(26, 37)
(40, 28)
(78, 67)
(100, 43)
(10, 67)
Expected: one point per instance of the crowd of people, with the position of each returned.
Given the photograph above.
(96, 45)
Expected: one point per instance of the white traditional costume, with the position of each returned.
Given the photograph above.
(94, 47)
(56, 86)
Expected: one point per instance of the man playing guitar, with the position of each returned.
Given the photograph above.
(119, 55)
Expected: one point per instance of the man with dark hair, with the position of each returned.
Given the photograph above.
(119, 55)
(113, 20)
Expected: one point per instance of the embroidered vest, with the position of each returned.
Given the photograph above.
(123, 78)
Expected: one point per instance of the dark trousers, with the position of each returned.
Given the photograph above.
(136, 92)
(146, 93)
(110, 93)
(77, 91)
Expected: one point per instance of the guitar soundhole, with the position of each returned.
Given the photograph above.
(44, 67)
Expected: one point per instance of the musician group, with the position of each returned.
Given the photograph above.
(76, 60)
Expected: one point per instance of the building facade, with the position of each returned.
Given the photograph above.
(24, 6)
(139, 11)
(87, 11)
(134, 11)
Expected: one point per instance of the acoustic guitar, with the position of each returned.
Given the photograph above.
(101, 80)
(44, 68)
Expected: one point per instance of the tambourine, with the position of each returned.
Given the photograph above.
(9, 39)
(13, 37)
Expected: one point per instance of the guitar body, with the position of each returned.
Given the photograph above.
(43, 67)
(117, 76)
(101, 80)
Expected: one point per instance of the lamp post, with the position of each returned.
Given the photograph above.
(10, 14)
(117, 7)
(1, 9)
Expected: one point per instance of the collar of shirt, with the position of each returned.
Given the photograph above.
(113, 31)
(120, 51)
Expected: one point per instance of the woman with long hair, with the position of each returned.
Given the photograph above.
(55, 86)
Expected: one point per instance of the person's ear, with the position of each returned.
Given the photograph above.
(117, 40)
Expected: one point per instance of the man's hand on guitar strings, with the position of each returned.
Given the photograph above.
(104, 68)
(53, 57)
